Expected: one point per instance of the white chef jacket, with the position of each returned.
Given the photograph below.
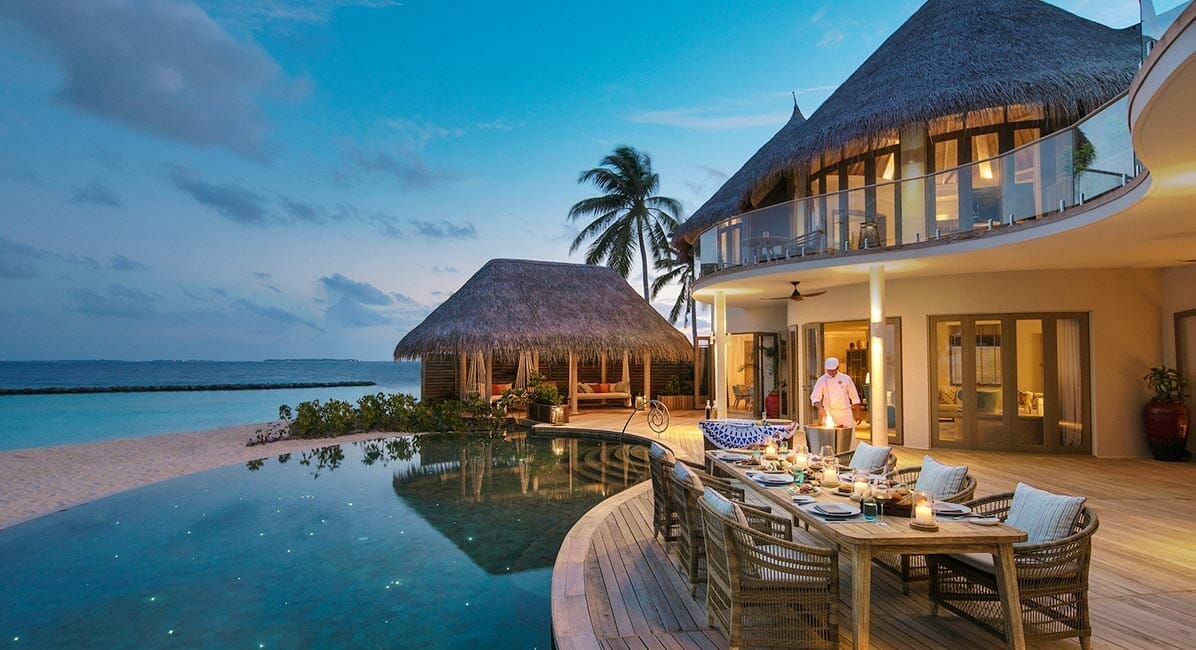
(837, 394)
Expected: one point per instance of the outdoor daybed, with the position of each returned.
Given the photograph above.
(602, 392)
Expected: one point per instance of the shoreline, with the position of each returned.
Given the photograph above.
(40, 480)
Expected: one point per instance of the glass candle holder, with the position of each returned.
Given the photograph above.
(924, 509)
(830, 471)
(859, 485)
(801, 459)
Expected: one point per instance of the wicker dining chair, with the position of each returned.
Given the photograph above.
(1052, 580)
(912, 568)
(691, 543)
(664, 519)
(764, 590)
(844, 458)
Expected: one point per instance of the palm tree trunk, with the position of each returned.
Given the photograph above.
(693, 320)
(639, 222)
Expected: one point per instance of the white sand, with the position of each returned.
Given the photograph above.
(36, 481)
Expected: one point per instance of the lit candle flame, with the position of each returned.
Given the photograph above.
(827, 422)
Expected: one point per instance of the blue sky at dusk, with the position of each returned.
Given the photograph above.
(247, 180)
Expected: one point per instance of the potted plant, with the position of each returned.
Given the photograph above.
(1165, 418)
(773, 401)
(678, 394)
(545, 403)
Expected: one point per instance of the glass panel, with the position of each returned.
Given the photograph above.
(948, 380)
(986, 179)
(1071, 382)
(741, 376)
(946, 186)
(707, 252)
(892, 397)
(1103, 158)
(1023, 194)
(990, 420)
(1157, 16)
(1028, 429)
(813, 368)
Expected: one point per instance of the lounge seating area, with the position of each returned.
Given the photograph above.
(1080, 580)
(603, 392)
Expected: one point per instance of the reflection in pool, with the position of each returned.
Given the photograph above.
(409, 541)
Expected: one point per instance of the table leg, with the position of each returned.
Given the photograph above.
(861, 595)
(1015, 636)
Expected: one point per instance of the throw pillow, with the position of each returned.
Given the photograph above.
(724, 506)
(603, 388)
(594, 388)
(622, 387)
(584, 388)
(1045, 517)
(940, 480)
(870, 458)
(683, 474)
(661, 453)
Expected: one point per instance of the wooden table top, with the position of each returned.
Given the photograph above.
(890, 532)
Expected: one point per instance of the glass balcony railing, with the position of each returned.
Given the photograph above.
(1157, 16)
(1040, 178)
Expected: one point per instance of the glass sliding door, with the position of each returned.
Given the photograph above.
(1014, 382)
(848, 341)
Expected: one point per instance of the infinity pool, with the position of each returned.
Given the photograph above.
(436, 542)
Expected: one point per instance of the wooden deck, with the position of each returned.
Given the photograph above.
(614, 586)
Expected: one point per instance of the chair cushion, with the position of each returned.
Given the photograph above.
(981, 561)
(661, 453)
(941, 480)
(498, 389)
(584, 388)
(724, 506)
(603, 388)
(622, 387)
(681, 471)
(870, 458)
(1045, 517)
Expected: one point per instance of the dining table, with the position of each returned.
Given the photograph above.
(862, 540)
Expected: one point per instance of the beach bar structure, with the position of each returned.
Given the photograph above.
(570, 322)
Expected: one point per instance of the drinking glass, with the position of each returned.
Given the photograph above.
(870, 508)
(828, 451)
(881, 492)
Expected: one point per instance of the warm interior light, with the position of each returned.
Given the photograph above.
(888, 173)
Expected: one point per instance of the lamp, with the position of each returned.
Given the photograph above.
(924, 512)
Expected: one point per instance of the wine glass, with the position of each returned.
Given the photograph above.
(828, 452)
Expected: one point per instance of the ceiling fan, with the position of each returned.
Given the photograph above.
(797, 296)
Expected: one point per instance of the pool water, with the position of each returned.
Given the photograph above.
(433, 542)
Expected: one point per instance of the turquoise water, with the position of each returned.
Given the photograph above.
(364, 545)
(40, 420)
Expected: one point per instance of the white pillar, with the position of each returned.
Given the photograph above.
(876, 403)
(719, 331)
(647, 376)
(572, 383)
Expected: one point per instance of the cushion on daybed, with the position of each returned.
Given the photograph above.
(941, 480)
(584, 388)
(1045, 517)
(622, 387)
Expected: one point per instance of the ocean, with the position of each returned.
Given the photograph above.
(40, 420)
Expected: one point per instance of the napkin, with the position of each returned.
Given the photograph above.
(834, 509)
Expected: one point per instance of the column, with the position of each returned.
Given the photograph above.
(877, 411)
(462, 389)
(718, 391)
(489, 375)
(572, 383)
(647, 376)
(913, 193)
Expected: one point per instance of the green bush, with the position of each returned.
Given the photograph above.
(382, 412)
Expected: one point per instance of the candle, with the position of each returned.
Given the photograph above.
(802, 461)
(770, 451)
(924, 514)
(829, 475)
(859, 488)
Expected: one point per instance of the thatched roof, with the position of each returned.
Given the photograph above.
(511, 306)
(951, 56)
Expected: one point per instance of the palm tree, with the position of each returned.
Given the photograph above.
(678, 267)
(626, 214)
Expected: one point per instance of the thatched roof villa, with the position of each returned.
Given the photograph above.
(952, 66)
(571, 320)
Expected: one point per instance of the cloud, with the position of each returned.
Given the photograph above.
(106, 157)
(19, 261)
(274, 314)
(263, 279)
(259, 14)
(96, 193)
(191, 295)
(348, 313)
(161, 66)
(709, 119)
(220, 292)
(118, 300)
(831, 38)
(403, 165)
(230, 200)
(445, 230)
(121, 263)
(710, 179)
(360, 292)
(444, 268)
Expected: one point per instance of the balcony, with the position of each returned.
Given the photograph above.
(1039, 180)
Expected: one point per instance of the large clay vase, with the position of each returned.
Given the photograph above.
(772, 404)
(1166, 425)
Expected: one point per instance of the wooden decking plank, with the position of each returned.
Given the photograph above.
(615, 583)
(602, 614)
(688, 614)
(656, 612)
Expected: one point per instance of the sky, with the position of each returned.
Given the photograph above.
(239, 180)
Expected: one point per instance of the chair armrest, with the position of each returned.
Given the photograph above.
(996, 505)
(765, 522)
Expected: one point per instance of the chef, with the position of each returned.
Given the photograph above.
(835, 393)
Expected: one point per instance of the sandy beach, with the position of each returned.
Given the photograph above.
(37, 481)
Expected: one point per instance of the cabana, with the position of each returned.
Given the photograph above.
(513, 316)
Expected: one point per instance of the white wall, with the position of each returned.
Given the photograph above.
(763, 319)
(1125, 312)
(1179, 294)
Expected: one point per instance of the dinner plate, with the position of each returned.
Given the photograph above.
(835, 509)
(730, 455)
(848, 478)
(984, 521)
(946, 508)
(802, 499)
(772, 479)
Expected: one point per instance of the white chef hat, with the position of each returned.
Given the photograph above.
(832, 363)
